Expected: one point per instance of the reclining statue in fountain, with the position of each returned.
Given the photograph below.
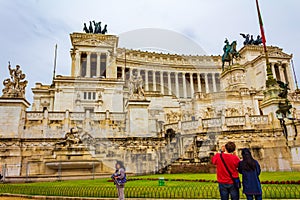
(71, 138)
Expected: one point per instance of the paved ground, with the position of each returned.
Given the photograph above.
(12, 198)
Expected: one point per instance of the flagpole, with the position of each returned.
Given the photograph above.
(270, 79)
(295, 77)
(54, 67)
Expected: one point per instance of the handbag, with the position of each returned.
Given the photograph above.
(236, 181)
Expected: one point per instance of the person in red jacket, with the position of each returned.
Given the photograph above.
(226, 185)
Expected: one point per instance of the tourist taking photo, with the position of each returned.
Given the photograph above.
(227, 172)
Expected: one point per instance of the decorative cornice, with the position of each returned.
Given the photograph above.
(87, 39)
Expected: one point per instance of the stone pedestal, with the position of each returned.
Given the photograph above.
(12, 121)
(233, 78)
(270, 103)
(138, 118)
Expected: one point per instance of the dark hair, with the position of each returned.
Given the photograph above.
(120, 163)
(230, 147)
(248, 163)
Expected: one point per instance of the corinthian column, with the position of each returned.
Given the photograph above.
(98, 65)
(162, 82)
(77, 64)
(146, 80)
(192, 85)
(282, 76)
(214, 82)
(169, 83)
(123, 73)
(88, 65)
(206, 83)
(154, 80)
(184, 85)
(177, 85)
(273, 70)
(199, 82)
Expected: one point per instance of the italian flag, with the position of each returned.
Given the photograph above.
(262, 32)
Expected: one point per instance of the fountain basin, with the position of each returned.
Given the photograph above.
(72, 164)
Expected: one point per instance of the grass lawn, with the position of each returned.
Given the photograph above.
(265, 176)
(149, 188)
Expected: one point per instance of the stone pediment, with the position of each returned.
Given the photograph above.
(273, 51)
(279, 54)
(95, 42)
(86, 39)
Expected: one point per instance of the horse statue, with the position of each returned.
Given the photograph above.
(230, 53)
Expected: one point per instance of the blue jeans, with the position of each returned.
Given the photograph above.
(257, 197)
(226, 189)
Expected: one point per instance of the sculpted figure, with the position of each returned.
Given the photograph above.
(14, 86)
(246, 37)
(140, 89)
(91, 27)
(71, 138)
(258, 40)
(85, 29)
(97, 27)
(135, 87)
(230, 53)
(104, 29)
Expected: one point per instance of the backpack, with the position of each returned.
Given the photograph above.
(123, 180)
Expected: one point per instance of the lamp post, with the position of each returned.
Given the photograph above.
(283, 111)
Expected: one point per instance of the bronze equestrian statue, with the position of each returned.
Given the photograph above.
(230, 53)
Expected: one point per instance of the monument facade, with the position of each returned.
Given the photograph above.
(154, 111)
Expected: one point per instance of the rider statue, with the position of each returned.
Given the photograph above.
(226, 47)
(230, 52)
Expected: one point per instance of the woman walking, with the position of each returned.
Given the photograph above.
(250, 170)
(119, 178)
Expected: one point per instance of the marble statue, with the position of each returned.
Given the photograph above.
(173, 117)
(14, 87)
(71, 138)
(135, 86)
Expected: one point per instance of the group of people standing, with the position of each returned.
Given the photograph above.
(228, 168)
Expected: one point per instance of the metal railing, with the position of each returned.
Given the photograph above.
(170, 191)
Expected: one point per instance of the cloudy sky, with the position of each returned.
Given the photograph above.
(30, 29)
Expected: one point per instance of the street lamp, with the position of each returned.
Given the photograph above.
(283, 111)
